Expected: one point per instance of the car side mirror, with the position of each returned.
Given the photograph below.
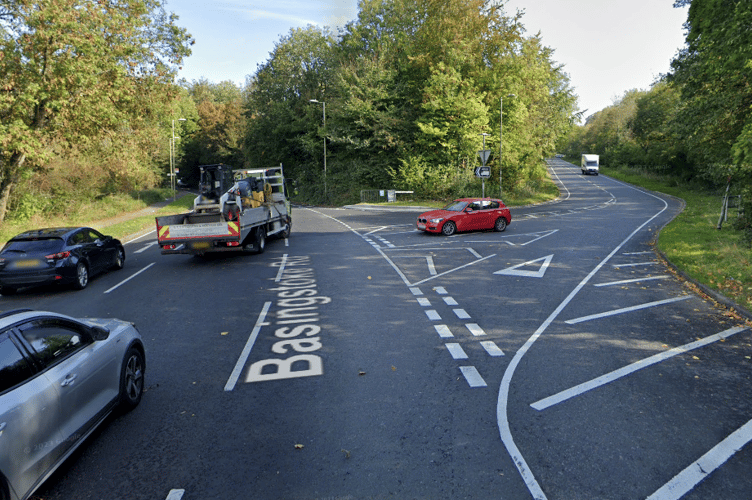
(99, 333)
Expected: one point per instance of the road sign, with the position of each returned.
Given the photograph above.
(483, 172)
(484, 154)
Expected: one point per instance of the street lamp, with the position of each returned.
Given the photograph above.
(324, 105)
(172, 157)
(483, 158)
(501, 123)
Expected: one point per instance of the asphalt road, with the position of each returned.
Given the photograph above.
(361, 358)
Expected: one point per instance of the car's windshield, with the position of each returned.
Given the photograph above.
(456, 206)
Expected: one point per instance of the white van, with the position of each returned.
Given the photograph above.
(589, 164)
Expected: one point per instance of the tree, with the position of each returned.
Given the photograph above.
(72, 70)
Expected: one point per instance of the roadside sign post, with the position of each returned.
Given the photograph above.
(483, 172)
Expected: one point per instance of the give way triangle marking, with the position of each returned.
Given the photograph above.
(516, 271)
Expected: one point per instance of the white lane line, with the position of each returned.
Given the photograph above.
(148, 246)
(175, 494)
(472, 376)
(627, 309)
(440, 290)
(433, 315)
(539, 237)
(431, 267)
(281, 268)
(456, 351)
(126, 280)
(450, 301)
(637, 253)
(491, 348)
(416, 291)
(502, 400)
(443, 331)
(629, 369)
(461, 313)
(636, 280)
(230, 385)
(451, 270)
(686, 480)
(377, 230)
(636, 264)
(476, 254)
(475, 329)
(424, 302)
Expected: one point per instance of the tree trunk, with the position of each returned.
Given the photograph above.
(8, 177)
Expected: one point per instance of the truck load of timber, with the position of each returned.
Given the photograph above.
(236, 210)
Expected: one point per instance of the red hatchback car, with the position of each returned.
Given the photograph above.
(466, 214)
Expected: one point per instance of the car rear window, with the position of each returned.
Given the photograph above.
(42, 245)
(13, 366)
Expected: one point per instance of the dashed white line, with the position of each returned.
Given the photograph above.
(443, 331)
(440, 290)
(461, 313)
(175, 494)
(424, 302)
(472, 376)
(433, 315)
(450, 301)
(627, 309)
(456, 351)
(148, 246)
(129, 278)
(431, 266)
(491, 348)
(416, 291)
(475, 329)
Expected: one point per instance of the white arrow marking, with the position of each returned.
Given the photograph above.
(515, 270)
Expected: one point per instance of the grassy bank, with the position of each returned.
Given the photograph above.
(718, 259)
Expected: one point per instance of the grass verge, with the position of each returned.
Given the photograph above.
(719, 259)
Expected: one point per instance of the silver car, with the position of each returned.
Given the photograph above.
(60, 378)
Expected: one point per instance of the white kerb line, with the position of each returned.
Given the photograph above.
(627, 370)
(230, 385)
(129, 278)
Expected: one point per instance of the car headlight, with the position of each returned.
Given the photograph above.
(436, 221)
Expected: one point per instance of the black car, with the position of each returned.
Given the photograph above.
(67, 255)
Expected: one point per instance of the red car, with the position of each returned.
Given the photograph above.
(466, 214)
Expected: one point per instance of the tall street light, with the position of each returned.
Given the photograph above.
(324, 105)
(501, 123)
(172, 157)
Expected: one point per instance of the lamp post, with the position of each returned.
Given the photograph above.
(501, 124)
(172, 157)
(483, 158)
(324, 113)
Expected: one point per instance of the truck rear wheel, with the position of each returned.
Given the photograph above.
(259, 240)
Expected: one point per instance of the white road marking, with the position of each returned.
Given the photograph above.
(451, 270)
(450, 301)
(637, 253)
(472, 376)
(502, 400)
(416, 291)
(636, 280)
(431, 267)
(536, 239)
(686, 480)
(281, 268)
(636, 264)
(433, 315)
(627, 309)
(475, 329)
(476, 254)
(424, 302)
(440, 290)
(148, 246)
(175, 495)
(456, 351)
(461, 313)
(443, 331)
(515, 270)
(230, 385)
(628, 370)
(376, 230)
(126, 280)
(491, 348)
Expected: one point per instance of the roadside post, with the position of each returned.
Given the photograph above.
(483, 171)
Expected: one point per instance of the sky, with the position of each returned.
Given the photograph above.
(606, 46)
